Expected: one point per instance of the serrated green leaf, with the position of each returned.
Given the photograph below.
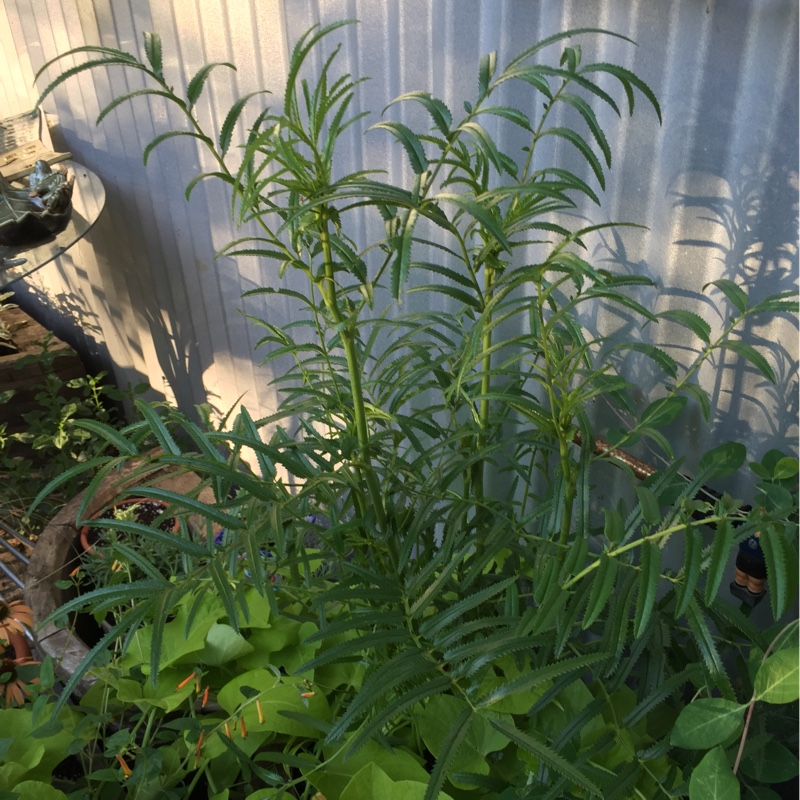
(602, 586)
(648, 502)
(701, 396)
(692, 562)
(171, 135)
(712, 662)
(649, 566)
(777, 573)
(479, 213)
(587, 112)
(666, 362)
(432, 625)
(614, 529)
(485, 143)
(545, 754)
(152, 50)
(196, 84)
(402, 261)
(410, 142)
(585, 150)
(123, 98)
(448, 751)
(439, 112)
(507, 112)
(718, 560)
(628, 79)
(732, 291)
(694, 322)
(232, 117)
(749, 353)
(486, 69)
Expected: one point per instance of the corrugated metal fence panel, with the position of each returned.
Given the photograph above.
(716, 184)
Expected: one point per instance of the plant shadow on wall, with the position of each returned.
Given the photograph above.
(132, 303)
(459, 636)
(745, 223)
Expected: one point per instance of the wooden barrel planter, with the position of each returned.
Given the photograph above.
(57, 553)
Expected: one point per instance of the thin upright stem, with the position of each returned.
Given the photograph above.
(329, 295)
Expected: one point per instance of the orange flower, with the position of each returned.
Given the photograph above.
(12, 687)
(13, 617)
(126, 770)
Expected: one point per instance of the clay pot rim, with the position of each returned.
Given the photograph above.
(83, 531)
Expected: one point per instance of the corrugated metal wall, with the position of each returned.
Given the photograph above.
(717, 184)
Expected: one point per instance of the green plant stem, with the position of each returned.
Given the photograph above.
(486, 386)
(752, 704)
(328, 290)
(654, 537)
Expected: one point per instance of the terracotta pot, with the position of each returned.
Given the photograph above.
(57, 553)
(85, 531)
(19, 642)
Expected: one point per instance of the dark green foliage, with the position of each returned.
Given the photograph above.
(423, 505)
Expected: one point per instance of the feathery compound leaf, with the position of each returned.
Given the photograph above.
(732, 291)
(410, 141)
(545, 754)
(152, 50)
(749, 353)
(196, 84)
(649, 574)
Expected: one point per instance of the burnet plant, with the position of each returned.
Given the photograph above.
(480, 611)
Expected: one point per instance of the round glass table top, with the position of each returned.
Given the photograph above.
(88, 199)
